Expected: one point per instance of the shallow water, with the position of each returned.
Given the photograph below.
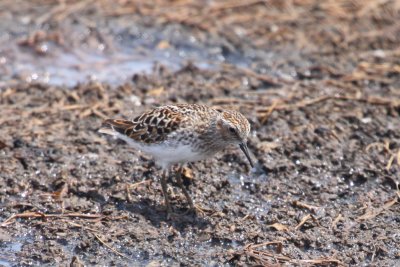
(115, 63)
(9, 251)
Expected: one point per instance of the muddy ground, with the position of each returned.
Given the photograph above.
(318, 80)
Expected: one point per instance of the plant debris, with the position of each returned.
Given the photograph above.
(318, 80)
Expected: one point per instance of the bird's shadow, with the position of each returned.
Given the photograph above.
(156, 214)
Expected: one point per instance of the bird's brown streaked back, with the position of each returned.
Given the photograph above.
(150, 127)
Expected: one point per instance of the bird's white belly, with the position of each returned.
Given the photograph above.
(166, 155)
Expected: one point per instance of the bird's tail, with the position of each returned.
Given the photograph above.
(115, 127)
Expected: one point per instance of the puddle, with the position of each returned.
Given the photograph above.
(8, 255)
(5, 263)
(64, 66)
(70, 69)
(129, 49)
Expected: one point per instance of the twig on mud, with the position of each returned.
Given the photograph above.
(390, 161)
(120, 11)
(247, 216)
(278, 243)
(373, 212)
(235, 4)
(7, 92)
(129, 187)
(267, 114)
(232, 103)
(93, 111)
(28, 215)
(312, 208)
(251, 73)
(58, 194)
(75, 106)
(265, 258)
(95, 233)
(135, 185)
(386, 146)
(322, 261)
(373, 100)
(99, 114)
(336, 220)
(109, 247)
(83, 227)
(392, 157)
(299, 104)
(304, 220)
(22, 215)
(279, 227)
(128, 193)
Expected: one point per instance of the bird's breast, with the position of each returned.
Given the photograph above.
(166, 155)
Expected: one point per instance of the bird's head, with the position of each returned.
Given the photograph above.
(234, 129)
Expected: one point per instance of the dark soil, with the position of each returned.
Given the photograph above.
(318, 80)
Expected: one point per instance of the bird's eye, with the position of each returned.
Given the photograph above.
(232, 130)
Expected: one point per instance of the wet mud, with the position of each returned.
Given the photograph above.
(318, 81)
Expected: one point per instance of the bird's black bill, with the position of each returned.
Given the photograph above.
(245, 150)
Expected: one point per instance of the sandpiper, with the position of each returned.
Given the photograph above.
(177, 134)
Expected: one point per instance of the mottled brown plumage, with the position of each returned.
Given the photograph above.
(182, 133)
(154, 126)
